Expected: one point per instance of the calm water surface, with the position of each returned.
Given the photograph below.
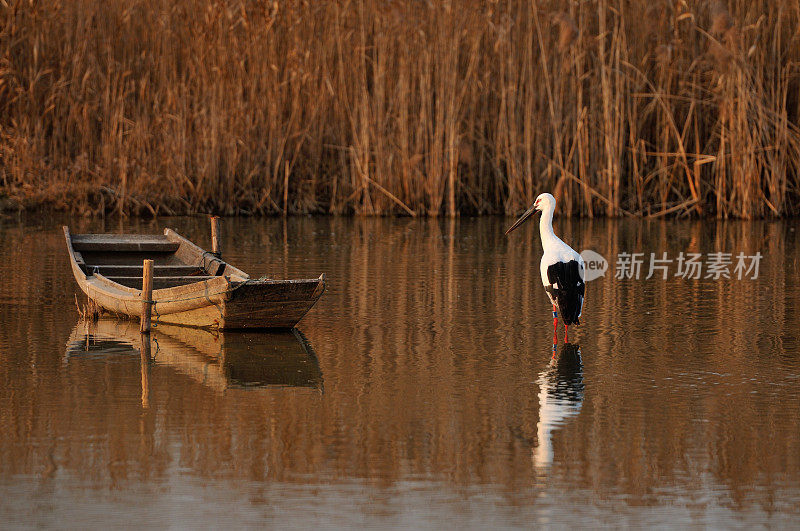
(419, 391)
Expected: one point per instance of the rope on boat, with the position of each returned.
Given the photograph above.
(205, 284)
(158, 315)
(203, 263)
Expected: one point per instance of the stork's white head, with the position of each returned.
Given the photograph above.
(544, 203)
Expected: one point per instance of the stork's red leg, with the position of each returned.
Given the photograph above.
(555, 329)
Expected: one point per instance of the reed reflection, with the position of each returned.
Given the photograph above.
(426, 381)
(560, 398)
(218, 360)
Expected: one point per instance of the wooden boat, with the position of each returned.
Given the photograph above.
(219, 360)
(191, 286)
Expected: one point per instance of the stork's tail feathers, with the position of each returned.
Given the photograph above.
(567, 289)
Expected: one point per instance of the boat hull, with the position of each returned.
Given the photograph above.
(250, 305)
(229, 301)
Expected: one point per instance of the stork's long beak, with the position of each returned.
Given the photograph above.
(522, 219)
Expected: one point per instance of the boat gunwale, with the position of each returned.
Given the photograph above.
(76, 269)
(188, 246)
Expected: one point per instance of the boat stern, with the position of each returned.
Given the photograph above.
(271, 304)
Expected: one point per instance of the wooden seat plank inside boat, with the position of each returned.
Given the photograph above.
(119, 259)
(159, 282)
(131, 258)
(168, 270)
(114, 243)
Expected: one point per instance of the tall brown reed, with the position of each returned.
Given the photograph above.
(236, 106)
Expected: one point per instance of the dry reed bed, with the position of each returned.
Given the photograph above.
(421, 108)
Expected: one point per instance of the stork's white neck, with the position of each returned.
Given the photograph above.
(546, 227)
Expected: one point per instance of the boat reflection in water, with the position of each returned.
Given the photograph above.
(220, 360)
(560, 398)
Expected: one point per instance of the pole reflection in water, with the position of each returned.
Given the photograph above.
(560, 398)
(146, 358)
(217, 360)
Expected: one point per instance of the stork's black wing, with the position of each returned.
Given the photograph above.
(568, 289)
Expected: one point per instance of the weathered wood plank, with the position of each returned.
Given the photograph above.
(261, 292)
(271, 304)
(202, 317)
(133, 258)
(159, 282)
(121, 247)
(123, 243)
(119, 237)
(136, 270)
(127, 300)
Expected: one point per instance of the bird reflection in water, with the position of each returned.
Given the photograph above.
(560, 398)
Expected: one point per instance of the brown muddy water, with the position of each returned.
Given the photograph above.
(419, 392)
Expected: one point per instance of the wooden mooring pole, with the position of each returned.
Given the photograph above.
(147, 295)
(215, 246)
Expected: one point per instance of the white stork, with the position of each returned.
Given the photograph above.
(561, 268)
